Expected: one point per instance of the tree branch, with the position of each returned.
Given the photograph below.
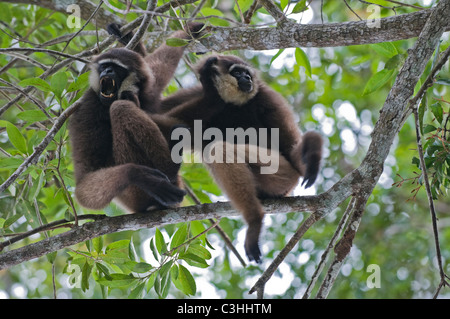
(109, 225)
(103, 17)
(291, 35)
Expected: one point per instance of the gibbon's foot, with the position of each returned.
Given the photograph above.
(157, 185)
(252, 243)
(311, 156)
(167, 194)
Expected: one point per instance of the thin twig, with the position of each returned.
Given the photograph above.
(442, 274)
(343, 247)
(192, 239)
(414, 106)
(46, 227)
(219, 229)
(52, 52)
(350, 8)
(331, 244)
(260, 284)
(151, 5)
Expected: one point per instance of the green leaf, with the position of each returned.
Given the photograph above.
(85, 273)
(377, 80)
(15, 137)
(104, 270)
(117, 280)
(284, 4)
(395, 62)
(151, 281)
(199, 251)
(429, 128)
(58, 83)
(244, 5)
(162, 285)
(32, 116)
(421, 112)
(443, 81)
(212, 14)
(10, 162)
(80, 83)
(302, 60)
(179, 237)
(386, 49)
(153, 249)
(98, 244)
(137, 293)
(11, 220)
(437, 111)
(176, 42)
(165, 268)
(185, 281)
(194, 260)
(52, 256)
(142, 268)
(276, 56)
(132, 251)
(300, 7)
(160, 243)
(120, 244)
(37, 83)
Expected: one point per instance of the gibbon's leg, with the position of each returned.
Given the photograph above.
(98, 188)
(238, 183)
(238, 173)
(137, 139)
(237, 180)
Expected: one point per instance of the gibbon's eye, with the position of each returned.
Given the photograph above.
(236, 73)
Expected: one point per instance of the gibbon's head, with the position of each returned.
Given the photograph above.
(235, 80)
(116, 71)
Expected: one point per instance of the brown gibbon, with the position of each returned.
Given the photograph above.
(231, 95)
(118, 150)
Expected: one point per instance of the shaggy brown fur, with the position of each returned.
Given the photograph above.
(118, 150)
(232, 95)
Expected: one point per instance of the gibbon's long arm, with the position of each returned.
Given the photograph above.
(164, 60)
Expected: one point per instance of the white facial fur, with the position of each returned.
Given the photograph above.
(228, 88)
(128, 84)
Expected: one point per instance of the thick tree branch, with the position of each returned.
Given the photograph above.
(103, 17)
(290, 35)
(109, 225)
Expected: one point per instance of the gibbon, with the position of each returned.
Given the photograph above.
(118, 150)
(232, 95)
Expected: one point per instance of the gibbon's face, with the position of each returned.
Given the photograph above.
(111, 76)
(114, 72)
(234, 79)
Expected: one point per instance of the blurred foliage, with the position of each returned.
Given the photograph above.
(337, 91)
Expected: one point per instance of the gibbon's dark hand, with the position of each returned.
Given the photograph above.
(195, 29)
(157, 185)
(114, 29)
(130, 96)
